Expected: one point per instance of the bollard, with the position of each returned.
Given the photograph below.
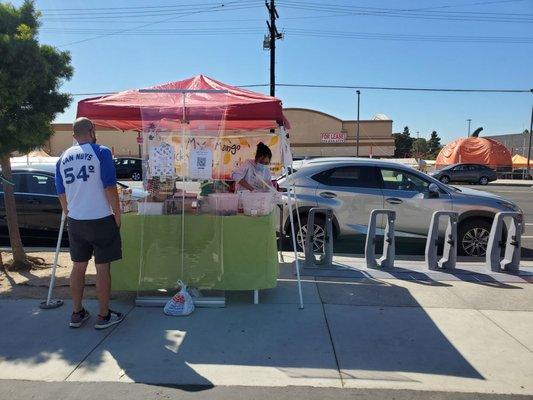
(511, 258)
(327, 257)
(449, 254)
(387, 259)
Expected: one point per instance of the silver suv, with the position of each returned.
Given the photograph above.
(353, 187)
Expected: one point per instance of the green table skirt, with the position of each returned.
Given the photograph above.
(205, 251)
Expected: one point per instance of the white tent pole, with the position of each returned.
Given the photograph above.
(56, 255)
(296, 261)
(291, 218)
(298, 213)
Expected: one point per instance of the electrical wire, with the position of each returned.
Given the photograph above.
(390, 88)
(296, 32)
(211, 9)
(409, 13)
(90, 9)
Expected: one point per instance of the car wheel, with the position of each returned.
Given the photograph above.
(319, 237)
(445, 179)
(473, 236)
(483, 180)
(136, 176)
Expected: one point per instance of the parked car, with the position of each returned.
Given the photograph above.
(469, 173)
(354, 187)
(38, 208)
(129, 168)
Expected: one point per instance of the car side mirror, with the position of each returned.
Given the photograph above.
(434, 191)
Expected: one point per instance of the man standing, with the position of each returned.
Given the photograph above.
(87, 187)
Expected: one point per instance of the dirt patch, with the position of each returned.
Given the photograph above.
(34, 284)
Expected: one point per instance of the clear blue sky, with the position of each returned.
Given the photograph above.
(226, 44)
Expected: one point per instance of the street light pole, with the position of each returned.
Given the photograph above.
(357, 133)
(530, 133)
(469, 121)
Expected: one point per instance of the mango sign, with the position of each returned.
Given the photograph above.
(333, 137)
(229, 153)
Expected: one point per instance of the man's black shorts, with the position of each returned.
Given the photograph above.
(98, 236)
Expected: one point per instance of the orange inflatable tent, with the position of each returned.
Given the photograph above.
(476, 150)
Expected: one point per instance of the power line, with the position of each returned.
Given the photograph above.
(409, 88)
(115, 17)
(296, 32)
(90, 9)
(424, 13)
(457, 90)
(211, 9)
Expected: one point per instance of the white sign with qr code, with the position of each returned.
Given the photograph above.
(200, 164)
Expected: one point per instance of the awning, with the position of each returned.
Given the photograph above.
(237, 109)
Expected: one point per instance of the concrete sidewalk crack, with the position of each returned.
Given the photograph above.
(505, 330)
(329, 333)
(98, 344)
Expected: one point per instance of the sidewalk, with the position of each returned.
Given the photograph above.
(511, 182)
(355, 332)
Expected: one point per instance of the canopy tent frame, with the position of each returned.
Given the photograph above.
(286, 158)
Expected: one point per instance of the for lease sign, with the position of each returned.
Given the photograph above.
(333, 137)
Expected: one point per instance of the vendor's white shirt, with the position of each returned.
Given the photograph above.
(252, 173)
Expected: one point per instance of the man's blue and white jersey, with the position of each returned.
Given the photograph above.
(82, 173)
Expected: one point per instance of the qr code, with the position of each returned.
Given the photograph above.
(201, 162)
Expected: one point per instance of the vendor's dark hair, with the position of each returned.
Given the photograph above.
(262, 151)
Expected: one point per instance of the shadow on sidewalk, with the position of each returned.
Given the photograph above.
(273, 343)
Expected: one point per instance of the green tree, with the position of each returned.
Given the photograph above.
(403, 143)
(420, 148)
(434, 146)
(30, 77)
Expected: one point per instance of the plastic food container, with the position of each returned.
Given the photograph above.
(149, 208)
(257, 203)
(223, 203)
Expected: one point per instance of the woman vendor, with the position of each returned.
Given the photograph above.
(254, 175)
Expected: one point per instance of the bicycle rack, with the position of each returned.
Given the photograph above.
(327, 257)
(511, 258)
(387, 259)
(449, 254)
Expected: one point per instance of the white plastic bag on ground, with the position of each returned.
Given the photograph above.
(181, 303)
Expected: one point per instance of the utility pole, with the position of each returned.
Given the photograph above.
(357, 133)
(270, 42)
(469, 121)
(530, 133)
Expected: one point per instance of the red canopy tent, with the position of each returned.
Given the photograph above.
(237, 109)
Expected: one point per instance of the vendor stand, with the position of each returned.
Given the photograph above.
(190, 227)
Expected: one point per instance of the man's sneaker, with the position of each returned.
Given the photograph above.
(78, 318)
(112, 318)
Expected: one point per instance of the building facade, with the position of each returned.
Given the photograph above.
(121, 143)
(517, 143)
(313, 133)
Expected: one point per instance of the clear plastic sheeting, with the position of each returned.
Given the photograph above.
(181, 228)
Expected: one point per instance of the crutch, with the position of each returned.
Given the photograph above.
(49, 302)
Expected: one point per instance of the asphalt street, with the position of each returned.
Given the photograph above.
(15, 390)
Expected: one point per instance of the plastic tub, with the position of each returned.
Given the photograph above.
(149, 208)
(223, 203)
(257, 203)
